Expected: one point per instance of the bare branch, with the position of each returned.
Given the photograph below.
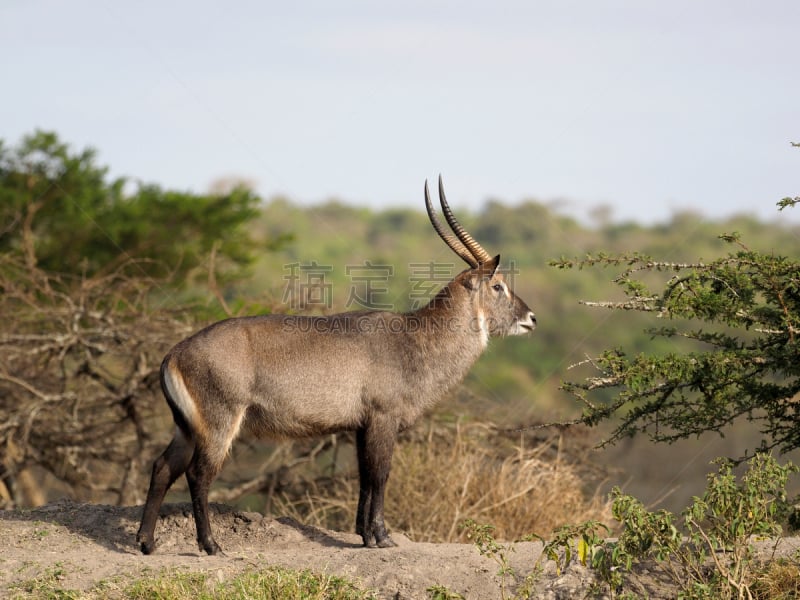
(80, 367)
(641, 304)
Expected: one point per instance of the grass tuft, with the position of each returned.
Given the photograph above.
(273, 583)
(778, 580)
(458, 473)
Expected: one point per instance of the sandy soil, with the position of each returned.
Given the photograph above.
(94, 542)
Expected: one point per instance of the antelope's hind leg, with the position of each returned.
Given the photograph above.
(209, 456)
(172, 463)
(200, 474)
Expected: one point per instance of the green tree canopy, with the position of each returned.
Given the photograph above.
(59, 209)
(741, 317)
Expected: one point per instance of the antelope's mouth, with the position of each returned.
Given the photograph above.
(528, 324)
(523, 327)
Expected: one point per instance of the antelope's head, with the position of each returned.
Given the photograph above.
(496, 308)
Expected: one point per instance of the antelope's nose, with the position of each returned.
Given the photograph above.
(531, 322)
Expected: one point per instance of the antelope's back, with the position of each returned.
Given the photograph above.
(295, 375)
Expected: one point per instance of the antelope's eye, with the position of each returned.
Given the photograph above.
(497, 287)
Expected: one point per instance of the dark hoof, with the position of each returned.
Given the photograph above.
(145, 545)
(372, 542)
(211, 548)
(376, 539)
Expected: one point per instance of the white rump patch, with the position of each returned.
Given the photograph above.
(181, 397)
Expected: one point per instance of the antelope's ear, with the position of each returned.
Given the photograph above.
(483, 272)
(486, 270)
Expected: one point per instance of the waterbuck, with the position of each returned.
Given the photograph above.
(288, 376)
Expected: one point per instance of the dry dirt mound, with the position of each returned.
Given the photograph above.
(93, 542)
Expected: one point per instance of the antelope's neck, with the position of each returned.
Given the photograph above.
(450, 339)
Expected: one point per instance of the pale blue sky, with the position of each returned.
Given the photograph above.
(647, 107)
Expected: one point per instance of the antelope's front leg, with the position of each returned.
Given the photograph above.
(375, 444)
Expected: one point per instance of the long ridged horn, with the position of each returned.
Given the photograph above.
(454, 244)
(466, 239)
